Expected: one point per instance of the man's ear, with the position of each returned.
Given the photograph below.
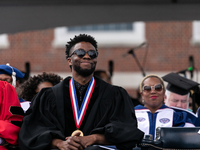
(69, 60)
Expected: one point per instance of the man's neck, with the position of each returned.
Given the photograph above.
(82, 80)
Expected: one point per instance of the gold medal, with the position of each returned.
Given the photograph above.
(73, 133)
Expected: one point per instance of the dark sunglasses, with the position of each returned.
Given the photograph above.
(81, 53)
(157, 87)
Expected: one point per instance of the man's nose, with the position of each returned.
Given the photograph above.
(179, 104)
(86, 56)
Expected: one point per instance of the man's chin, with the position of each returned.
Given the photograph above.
(86, 72)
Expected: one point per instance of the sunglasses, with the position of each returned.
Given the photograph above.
(81, 53)
(157, 87)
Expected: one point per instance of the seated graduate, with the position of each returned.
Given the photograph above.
(154, 113)
(178, 92)
(82, 110)
(11, 115)
(34, 84)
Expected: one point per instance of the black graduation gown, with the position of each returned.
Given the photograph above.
(110, 112)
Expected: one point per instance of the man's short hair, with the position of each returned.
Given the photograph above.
(77, 39)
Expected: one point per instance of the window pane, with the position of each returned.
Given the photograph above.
(103, 27)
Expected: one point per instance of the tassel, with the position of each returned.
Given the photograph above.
(13, 75)
(14, 79)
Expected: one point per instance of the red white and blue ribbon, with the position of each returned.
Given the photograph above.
(79, 114)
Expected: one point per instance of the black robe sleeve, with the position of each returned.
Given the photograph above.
(40, 124)
(116, 108)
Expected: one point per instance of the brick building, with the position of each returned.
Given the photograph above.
(169, 47)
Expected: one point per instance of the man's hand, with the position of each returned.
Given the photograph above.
(71, 143)
(78, 142)
(86, 141)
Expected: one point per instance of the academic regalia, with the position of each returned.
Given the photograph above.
(15, 74)
(163, 117)
(11, 114)
(110, 112)
(25, 105)
(178, 84)
(11, 71)
(7, 69)
(198, 117)
(181, 85)
(190, 115)
(21, 100)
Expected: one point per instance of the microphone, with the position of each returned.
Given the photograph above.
(129, 52)
(132, 49)
(191, 63)
(188, 69)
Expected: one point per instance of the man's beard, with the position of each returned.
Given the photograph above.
(84, 72)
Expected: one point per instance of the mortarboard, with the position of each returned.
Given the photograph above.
(178, 84)
(15, 73)
(7, 69)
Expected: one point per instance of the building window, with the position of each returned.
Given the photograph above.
(109, 35)
(103, 27)
(4, 42)
(195, 33)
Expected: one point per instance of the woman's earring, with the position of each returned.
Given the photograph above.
(143, 101)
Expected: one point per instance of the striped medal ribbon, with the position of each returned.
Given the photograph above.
(79, 114)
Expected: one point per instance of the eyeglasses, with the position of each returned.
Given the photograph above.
(157, 87)
(81, 53)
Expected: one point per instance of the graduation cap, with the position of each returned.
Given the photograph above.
(178, 84)
(15, 73)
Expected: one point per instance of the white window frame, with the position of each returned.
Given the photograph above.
(4, 42)
(195, 41)
(104, 38)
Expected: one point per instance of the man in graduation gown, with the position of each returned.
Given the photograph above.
(82, 110)
(178, 90)
(177, 94)
(11, 115)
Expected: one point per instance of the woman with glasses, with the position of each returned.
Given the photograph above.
(154, 113)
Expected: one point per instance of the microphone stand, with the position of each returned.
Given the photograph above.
(138, 63)
(183, 72)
